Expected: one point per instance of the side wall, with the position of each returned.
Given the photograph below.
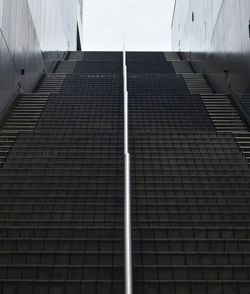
(217, 37)
(55, 23)
(19, 50)
(56, 26)
(80, 19)
(34, 34)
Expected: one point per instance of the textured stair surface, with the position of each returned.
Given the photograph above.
(61, 193)
(62, 181)
(190, 180)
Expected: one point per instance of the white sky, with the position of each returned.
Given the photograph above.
(146, 24)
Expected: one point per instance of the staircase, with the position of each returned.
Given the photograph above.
(62, 181)
(61, 191)
(223, 113)
(190, 182)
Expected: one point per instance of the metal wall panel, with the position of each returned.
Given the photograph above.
(218, 36)
(1, 12)
(55, 23)
(69, 16)
(32, 35)
(194, 34)
(56, 26)
(9, 76)
(80, 19)
(19, 50)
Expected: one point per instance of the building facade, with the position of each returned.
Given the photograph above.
(33, 35)
(215, 34)
(80, 20)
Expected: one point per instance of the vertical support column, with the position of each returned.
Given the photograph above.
(127, 193)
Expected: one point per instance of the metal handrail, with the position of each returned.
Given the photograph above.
(128, 263)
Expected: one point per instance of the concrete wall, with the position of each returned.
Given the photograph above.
(218, 37)
(19, 49)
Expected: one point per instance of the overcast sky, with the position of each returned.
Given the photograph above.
(146, 24)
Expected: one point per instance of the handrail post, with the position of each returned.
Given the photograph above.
(128, 273)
